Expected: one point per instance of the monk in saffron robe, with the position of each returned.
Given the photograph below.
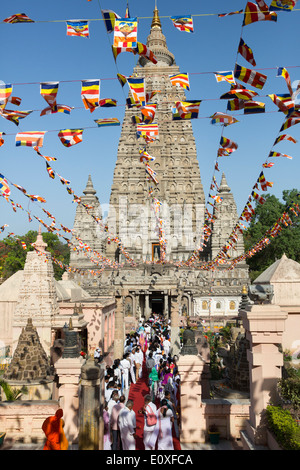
(53, 429)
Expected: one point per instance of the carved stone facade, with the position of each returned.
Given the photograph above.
(151, 286)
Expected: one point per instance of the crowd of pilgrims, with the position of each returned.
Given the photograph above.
(146, 351)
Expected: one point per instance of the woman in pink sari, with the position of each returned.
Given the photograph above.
(143, 341)
(107, 439)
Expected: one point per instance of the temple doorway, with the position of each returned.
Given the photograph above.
(157, 304)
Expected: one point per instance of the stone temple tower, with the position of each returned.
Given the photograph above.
(147, 285)
(179, 187)
(87, 229)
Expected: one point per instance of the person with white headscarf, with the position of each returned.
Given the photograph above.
(163, 427)
(125, 365)
(127, 426)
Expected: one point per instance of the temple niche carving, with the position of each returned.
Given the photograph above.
(131, 216)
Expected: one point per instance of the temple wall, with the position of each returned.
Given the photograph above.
(100, 319)
(229, 415)
(22, 421)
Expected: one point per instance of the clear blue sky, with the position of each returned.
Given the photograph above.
(32, 53)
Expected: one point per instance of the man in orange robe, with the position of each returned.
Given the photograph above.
(53, 429)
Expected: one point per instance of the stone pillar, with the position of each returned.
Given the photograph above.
(264, 326)
(119, 336)
(68, 370)
(175, 340)
(190, 368)
(89, 415)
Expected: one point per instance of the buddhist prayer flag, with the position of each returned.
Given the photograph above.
(151, 173)
(1, 140)
(145, 157)
(5, 93)
(49, 92)
(253, 13)
(228, 144)
(282, 72)
(144, 51)
(90, 94)
(285, 137)
(69, 137)
(50, 171)
(222, 15)
(30, 139)
(15, 100)
(249, 76)
(109, 17)
(183, 23)
(268, 165)
(78, 28)
(107, 103)
(241, 94)
(277, 154)
(63, 180)
(246, 52)
(20, 188)
(137, 88)
(125, 33)
(148, 131)
(148, 112)
(258, 198)
(18, 18)
(289, 123)
(284, 102)
(35, 198)
(48, 159)
(107, 122)
(254, 107)
(225, 77)
(188, 109)
(216, 198)
(60, 108)
(282, 5)
(181, 79)
(263, 182)
(235, 104)
(222, 118)
(4, 187)
(122, 79)
(14, 116)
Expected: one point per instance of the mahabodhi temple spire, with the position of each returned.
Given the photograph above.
(179, 187)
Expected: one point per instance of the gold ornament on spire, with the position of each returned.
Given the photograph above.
(156, 19)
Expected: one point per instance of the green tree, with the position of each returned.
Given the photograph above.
(13, 255)
(288, 241)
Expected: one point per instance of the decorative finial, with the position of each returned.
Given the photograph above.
(156, 19)
(244, 290)
(39, 244)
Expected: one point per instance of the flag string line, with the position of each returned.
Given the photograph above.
(97, 127)
(115, 78)
(146, 17)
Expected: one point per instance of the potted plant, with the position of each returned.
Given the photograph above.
(214, 434)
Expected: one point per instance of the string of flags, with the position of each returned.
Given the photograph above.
(285, 104)
(241, 98)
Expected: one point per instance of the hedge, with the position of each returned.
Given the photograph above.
(284, 427)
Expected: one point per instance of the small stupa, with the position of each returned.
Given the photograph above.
(30, 365)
